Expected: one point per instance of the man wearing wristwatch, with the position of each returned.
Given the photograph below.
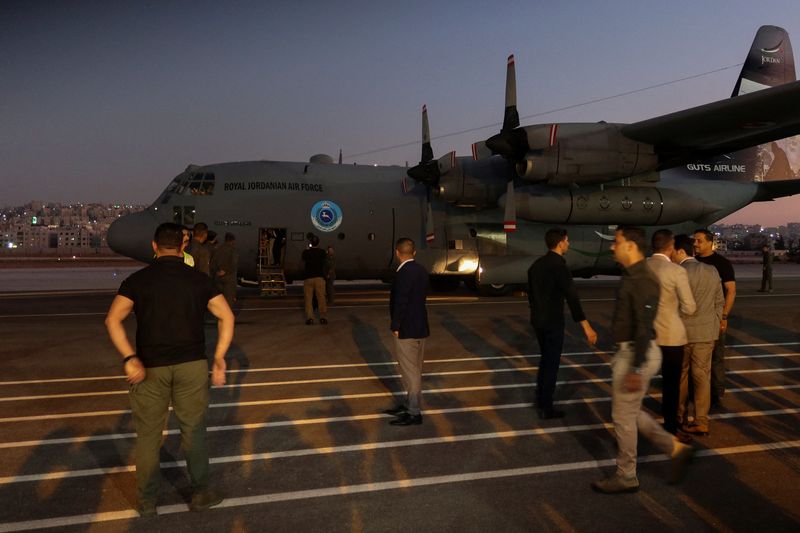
(704, 252)
(169, 364)
(637, 360)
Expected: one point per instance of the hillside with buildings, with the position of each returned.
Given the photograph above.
(57, 230)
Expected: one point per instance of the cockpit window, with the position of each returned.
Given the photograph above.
(200, 184)
(188, 184)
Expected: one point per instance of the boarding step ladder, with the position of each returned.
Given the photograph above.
(272, 281)
(271, 278)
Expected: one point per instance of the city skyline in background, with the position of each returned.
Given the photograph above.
(107, 102)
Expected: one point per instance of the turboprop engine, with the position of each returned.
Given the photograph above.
(584, 154)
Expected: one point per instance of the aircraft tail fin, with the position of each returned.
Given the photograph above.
(769, 63)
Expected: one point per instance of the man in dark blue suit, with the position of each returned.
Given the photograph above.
(410, 329)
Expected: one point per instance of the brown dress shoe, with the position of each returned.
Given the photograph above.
(696, 429)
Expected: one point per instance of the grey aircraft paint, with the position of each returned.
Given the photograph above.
(684, 170)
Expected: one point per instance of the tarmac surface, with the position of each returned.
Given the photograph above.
(298, 442)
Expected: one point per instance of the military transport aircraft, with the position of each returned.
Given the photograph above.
(481, 219)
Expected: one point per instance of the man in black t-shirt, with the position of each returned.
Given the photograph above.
(169, 364)
(314, 281)
(704, 252)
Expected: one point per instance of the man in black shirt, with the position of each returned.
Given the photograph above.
(637, 360)
(549, 284)
(314, 281)
(169, 364)
(704, 252)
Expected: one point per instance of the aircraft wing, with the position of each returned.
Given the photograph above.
(721, 127)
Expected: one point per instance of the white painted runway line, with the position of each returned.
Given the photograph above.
(382, 301)
(356, 418)
(367, 446)
(407, 483)
(336, 397)
(397, 376)
(472, 358)
(352, 378)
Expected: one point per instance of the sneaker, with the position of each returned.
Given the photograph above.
(205, 499)
(681, 457)
(616, 484)
(147, 509)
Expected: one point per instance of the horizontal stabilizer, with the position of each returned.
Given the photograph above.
(721, 127)
(770, 190)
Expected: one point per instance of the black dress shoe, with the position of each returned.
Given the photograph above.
(547, 414)
(309, 322)
(397, 410)
(323, 321)
(406, 419)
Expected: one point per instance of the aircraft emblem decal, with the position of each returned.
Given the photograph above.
(326, 215)
(773, 50)
(605, 237)
(553, 133)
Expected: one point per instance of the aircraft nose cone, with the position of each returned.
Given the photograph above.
(131, 235)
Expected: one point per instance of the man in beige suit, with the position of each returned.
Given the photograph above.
(670, 332)
(702, 330)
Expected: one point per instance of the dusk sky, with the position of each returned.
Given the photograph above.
(108, 101)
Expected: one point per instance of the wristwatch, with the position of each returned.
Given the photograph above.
(125, 361)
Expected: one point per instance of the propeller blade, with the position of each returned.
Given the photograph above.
(480, 151)
(430, 233)
(446, 163)
(427, 150)
(511, 144)
(511, 117)
(510, 218)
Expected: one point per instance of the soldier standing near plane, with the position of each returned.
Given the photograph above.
(409, 324)
(330, 275)
(549, 284)
(704, 252)
(169, 364)
(200, 250)
(224, 264)
(676, 296)
(766, 269)
(314, 281)
(702, 329)
(637, 360)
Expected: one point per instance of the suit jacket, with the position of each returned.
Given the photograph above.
(703, 325)
(676, 295)
(549, 284)
(407, 302)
